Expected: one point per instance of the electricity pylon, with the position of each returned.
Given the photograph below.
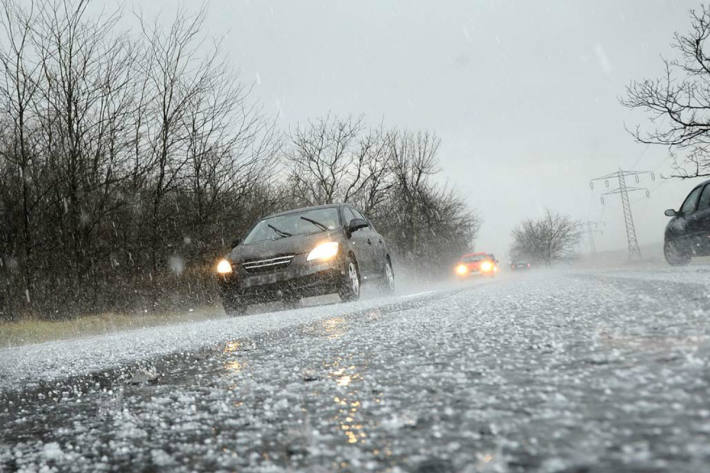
(592, 228)
(623, 190)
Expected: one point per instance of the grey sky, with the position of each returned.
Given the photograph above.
(523, 94)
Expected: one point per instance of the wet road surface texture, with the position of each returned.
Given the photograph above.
(557, 372)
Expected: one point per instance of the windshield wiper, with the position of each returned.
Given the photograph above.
(282, 233)
(315, 222)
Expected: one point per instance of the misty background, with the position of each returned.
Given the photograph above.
(524, 95)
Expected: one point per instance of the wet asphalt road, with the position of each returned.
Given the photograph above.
(570, 372)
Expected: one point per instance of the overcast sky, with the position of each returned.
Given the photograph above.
(523, 94)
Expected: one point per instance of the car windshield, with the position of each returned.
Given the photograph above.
(295, 223)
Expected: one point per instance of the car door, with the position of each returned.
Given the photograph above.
(698, 222)
(359, 242)
(679, 225)
(375, 245)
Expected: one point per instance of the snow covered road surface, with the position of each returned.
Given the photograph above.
(576, 371)
(32, 364)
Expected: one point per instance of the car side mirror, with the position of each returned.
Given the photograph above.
(670, 213)
(356, 224)
(236, 242)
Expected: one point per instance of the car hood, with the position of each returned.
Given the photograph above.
(294, 245)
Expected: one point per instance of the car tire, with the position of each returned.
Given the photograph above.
(387, 285)
(675, 254)
(234, 307)
(349, 289)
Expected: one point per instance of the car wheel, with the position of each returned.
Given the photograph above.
(387, 284)
(350, 285)
(234, 307)
(675, 253)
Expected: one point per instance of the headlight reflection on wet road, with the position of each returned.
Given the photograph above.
(232, 349)
(331, 328)
(348, 417)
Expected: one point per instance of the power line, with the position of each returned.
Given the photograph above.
(623, 190)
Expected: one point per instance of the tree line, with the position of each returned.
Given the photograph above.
(130, 160)
(545, 240)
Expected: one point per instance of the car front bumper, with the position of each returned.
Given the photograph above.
(475, 273)
(299, 279)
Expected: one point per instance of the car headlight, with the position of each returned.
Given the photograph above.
(461, 269)
(486, 266)
(224, 267)
(323, 251)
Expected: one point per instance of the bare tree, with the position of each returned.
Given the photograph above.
(114, 148)
(18, 92)
(330, 159)
(678, 102)
(547, 239)
(231, 152)
(84, 96)
(176, 75)
(413, 162)
(386, 174)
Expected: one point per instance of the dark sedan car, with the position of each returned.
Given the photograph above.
(688, 232)
(305, 252)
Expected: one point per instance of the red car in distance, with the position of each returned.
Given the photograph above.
(472, 264)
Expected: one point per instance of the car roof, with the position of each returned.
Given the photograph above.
(303, 209)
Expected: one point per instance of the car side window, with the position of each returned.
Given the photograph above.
(704, 201)
(691, 201)
(359, 215)
(348, 215)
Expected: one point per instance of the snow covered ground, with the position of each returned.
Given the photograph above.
(538, 371)
(30, 364)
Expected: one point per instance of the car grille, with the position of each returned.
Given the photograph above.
(267, 265)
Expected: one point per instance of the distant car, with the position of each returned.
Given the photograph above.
(519, 265)
(688, 232)
(304, 252)
(472, 264)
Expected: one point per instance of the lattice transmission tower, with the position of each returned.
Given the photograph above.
(623, 190)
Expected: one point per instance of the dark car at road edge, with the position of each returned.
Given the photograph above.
(304, 252)
(519, 265)
(688, 232)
